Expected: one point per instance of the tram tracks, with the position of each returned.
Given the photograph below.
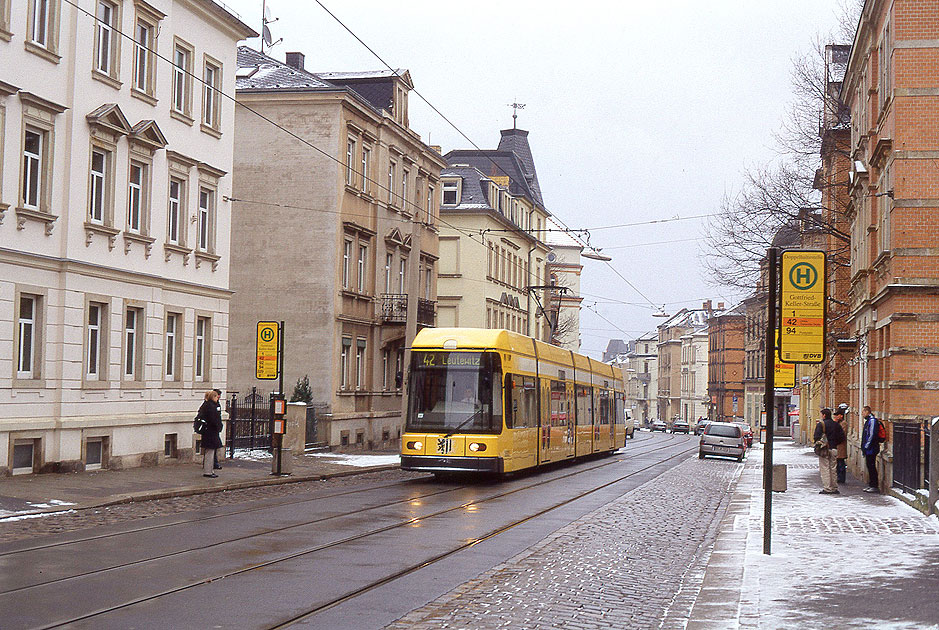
(281, 558)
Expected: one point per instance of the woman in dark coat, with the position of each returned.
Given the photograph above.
(211, 438)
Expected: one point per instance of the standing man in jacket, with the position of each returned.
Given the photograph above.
(842, 467)
(827, 461)
(870, 446)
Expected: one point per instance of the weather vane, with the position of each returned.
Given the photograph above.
(515, 107)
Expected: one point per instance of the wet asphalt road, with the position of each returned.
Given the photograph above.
(357, 557)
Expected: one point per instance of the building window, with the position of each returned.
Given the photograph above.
(94, 341)
(206, 219)
(391, 182)
(430, 205)
(350, 161)
(98, 183)
(171, 370)
(27, 359)
(389, 261)
(344, 362)
(136, 197)
(24, 452)
(105, 41)
(143, 57)
(385, 364)
(32, 168)
(366, 158)
(212, 78)
(346, 262)
(428, 281)
(402, 273)
(359, 363)
(405, 175)
(201, 359)
(41, 22)
(362, 268)
(182, 81)
(169, 445)
(174, 212)
(94, 453)
(132, 342)
(449, 193)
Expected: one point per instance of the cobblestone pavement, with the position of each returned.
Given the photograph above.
(69, 521)
(637, 562)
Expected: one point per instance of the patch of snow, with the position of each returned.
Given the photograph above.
(23, 517)
(359, 460)
(256, 455)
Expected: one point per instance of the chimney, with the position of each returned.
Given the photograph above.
(436, 147)
(720, 306)
(295, 60)
(706, 306)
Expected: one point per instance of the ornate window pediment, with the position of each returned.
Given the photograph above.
(147, 134)
(110, 120)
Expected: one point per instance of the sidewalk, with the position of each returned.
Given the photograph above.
(854, 560)
(24, 495)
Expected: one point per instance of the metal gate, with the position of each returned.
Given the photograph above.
(907, 465)
(249, 421)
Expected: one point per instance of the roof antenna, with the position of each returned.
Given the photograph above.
(515, 107)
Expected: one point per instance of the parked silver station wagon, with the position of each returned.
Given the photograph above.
(722, 438)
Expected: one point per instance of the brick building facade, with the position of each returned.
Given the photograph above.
(891, 90)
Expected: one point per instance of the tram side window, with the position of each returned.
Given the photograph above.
(584, 405)
(603, 403)
(559, 404)
(522, 411)
(620, 417)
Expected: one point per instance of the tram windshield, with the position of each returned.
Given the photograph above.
(455, 392)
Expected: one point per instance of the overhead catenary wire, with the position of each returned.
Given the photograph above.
(338, 161)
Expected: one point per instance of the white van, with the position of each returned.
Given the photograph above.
(630, 425)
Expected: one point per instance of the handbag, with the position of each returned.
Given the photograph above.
(199, 425)
(821, 444)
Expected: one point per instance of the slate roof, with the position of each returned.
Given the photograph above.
(472, 194)
(274, 75)
(513, 159)
(375, 87)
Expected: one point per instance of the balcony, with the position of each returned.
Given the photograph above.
(426, 312)
(394, 310)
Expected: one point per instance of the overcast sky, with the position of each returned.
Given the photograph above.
(637, 111)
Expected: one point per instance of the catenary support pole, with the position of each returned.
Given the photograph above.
(769, 397)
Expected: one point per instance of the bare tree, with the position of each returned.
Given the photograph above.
(803, 187)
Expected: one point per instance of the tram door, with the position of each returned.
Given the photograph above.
(544, 423)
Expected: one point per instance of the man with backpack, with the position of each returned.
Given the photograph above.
(828, 435)
(872, 435)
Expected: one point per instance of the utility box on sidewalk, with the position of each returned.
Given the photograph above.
(779, 477)
(283, 457)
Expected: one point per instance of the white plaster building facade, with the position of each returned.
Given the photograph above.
(114, 233)
(640, 366)
(694, 373)
(564, 269)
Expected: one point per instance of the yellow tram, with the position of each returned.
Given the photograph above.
(495, 401)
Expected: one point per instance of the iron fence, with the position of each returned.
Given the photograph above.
(907, 452)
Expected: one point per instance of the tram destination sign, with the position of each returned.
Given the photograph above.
(267, 362)
(803, 307)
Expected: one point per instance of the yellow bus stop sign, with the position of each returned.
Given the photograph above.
(784, 374)
(803, 307)
(267, 351)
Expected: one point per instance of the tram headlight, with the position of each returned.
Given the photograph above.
(477, 447)
(417, 445)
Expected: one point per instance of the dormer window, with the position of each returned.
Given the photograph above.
(450, 193)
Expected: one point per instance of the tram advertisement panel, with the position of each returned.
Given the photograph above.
(455, 392)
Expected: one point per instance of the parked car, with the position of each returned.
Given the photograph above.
(658, 425)
(724, 439)
(680, 426)
(747, 433)
(699, 426)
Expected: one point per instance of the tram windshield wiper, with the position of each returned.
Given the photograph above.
(463, 424)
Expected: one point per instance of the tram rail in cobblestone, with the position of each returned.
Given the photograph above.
(349, 539)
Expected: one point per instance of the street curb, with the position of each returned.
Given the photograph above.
(188, 491)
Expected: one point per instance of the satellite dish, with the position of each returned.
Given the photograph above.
(267, 13)
(266, 35)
